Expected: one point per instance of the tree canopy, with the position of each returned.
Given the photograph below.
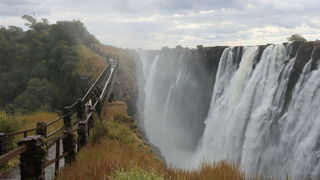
(38, 66)
(296, 37)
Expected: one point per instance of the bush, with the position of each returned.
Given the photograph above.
(99, 130)
(38, 96)
(120, 133)
(8, 124)
(136, 174)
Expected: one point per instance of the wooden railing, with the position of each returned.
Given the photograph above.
(77, 121)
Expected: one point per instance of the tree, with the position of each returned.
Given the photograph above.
(31, 20)
(296, 37)
(39, 95)
(41, 62)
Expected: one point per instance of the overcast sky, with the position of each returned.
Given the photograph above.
(151, 24)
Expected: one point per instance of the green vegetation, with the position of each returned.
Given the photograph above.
(8, 123)
(135, 174)
(42, 70)
(100, 130)
(46, 67)
(296, 37)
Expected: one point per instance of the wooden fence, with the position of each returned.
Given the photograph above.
(77, 121)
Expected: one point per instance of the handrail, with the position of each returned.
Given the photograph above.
(72, 106)
(13, 153)
(107, 77)
(95, 83)
(55, 131)
(69, 107)
(34, 129)
(21, 132)
(53, 122)
(49, 162)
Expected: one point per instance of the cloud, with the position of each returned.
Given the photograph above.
(154, 23)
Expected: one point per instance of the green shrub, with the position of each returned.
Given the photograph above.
(136, 174)
(99, 130)
(8, 124)
(120, 133)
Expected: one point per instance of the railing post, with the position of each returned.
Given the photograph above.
(82, 132)
(98, 107)
(56, 165)
(91, 119)
(42, 129)
(32, 161)
(80, 110)
(67, 119)
(4, 143)
(69, 146)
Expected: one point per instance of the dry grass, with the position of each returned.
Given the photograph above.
(29, 121)
(223, 170)
(120, 150)
(121, 154)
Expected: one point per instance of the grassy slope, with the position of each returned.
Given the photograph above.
(91, 64)
(121, 154)
(120, 149)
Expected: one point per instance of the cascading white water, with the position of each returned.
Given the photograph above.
(242, 123)
(250, 120)
(149, 112)
(166, 105)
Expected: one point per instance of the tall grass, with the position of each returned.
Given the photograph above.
(29, 121)
(19, 122)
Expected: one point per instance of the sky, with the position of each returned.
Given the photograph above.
(152, 24)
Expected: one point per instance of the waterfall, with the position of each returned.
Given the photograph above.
(255, 106)
(166, 106)
(149, 111)
(245, 124)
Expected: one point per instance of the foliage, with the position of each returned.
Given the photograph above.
(99, 130)
(296, 37)
(39, 95)
(135, 174)
(46, 55)
(8, 123)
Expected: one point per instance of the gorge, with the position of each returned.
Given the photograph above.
(256, 106)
